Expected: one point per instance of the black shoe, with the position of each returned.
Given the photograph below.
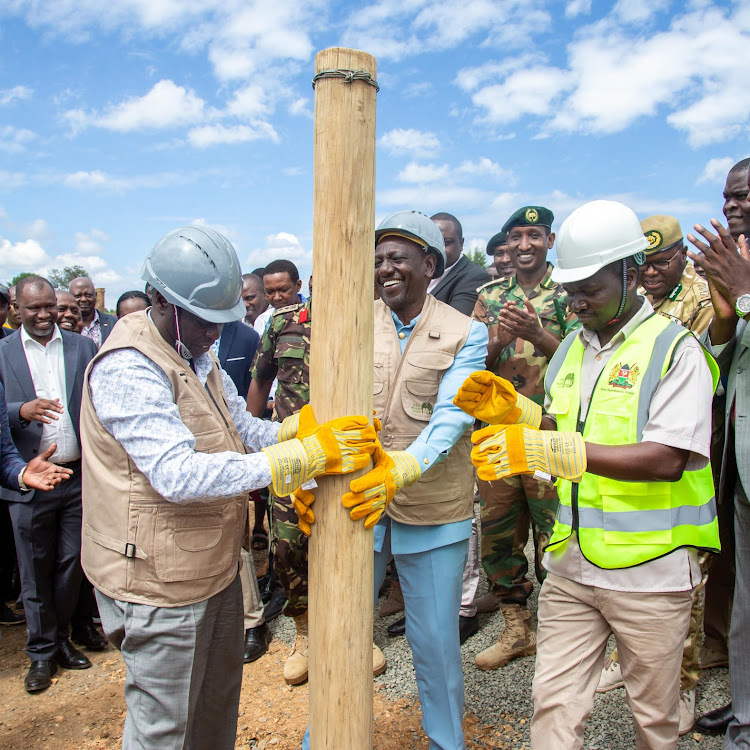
(9, 617)
(256, 642)
(70, 657)
(39, 676)
(467, 626)
(275, 604)
(89, 637)
(397, 628)
(716, 721)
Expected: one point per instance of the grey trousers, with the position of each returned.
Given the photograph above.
(738, 733)
(472, 573)
(252, 604)
(184, 670)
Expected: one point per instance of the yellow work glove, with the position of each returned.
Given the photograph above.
(504, 451)
(302, 500)
(494, 400)
(303, 423)
(337, 447)
(370, 494)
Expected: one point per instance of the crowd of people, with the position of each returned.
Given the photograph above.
(597, 404)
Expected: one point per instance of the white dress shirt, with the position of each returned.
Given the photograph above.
(47, 367)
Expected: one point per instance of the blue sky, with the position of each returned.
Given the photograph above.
(120, 121)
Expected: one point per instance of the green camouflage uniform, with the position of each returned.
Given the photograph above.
(509, 505)
(284, 354)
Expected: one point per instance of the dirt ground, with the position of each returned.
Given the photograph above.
(85, 709)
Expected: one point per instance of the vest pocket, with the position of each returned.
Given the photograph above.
(634, 512)
(418, 398)
(191, 544)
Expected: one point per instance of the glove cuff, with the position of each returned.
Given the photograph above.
(290, 466)
(406, 469)
(530, 412)
(289, 427)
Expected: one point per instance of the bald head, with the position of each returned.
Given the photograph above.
(82, 288)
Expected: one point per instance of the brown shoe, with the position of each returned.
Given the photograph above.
(295, 669)
(518, 639)
(711, 658)
(490, 602)
(395, 601)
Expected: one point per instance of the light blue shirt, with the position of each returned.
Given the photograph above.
(441, 433)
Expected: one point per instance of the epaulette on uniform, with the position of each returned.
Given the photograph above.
(493, 282)
(288, 308)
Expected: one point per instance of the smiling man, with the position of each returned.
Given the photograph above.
(96, 325)
(423, 350)
(527, 317)
(737, 200)
(669, 282)
(68, 314)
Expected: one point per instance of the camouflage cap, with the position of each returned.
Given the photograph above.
(530, 216)
(501, 238)
(662, 232)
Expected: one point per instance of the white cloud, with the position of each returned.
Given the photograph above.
(421, 173)
(99, 180)
(16, 93)
(409, 141)
(484, 167)
(166, 105)
(37, 230)
(716, 170)
(250, 101)
(575, 8)
(213, 135)
(89, 243)
(23, 255)
(14, 140)
(620, 69)
(432, 198)
(280, 245)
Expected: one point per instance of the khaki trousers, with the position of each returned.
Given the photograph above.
(574, 623)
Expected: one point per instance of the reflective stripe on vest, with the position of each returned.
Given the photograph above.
(621, 524)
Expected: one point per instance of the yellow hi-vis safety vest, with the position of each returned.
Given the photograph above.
(622, 524)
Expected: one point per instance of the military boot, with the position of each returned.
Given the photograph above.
(295, 669)
(395, 601)
(518, 639)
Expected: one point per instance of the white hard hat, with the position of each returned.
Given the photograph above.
(593, 236)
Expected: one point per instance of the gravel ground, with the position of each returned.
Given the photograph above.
(503, 697)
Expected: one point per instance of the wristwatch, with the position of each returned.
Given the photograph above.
(742, 305)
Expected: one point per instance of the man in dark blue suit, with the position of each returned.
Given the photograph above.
(41, 368)
(236, 349)
(97, 325)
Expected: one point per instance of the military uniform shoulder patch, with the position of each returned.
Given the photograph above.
(288, 309)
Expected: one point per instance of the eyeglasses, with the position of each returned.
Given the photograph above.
(660, 265)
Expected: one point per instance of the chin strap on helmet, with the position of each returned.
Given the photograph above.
(181, 349)
(624, 297)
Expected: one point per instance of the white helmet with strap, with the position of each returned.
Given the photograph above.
(593, 236)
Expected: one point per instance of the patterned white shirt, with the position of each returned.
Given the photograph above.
(94, 331)
(133, 398)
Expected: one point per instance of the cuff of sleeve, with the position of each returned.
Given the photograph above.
(425, 455)
(21, 484)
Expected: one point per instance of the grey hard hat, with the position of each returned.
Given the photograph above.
(418, 227)
(197, 269)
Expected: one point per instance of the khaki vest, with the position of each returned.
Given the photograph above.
(405, 391)
(137, 546)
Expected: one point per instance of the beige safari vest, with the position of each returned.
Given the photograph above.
(405, 391)
(137, 546)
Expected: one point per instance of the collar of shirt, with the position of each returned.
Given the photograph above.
(545, 283)
(591, 338)
(27, 341)
(403, 331)
(436, 281)
(94, 322)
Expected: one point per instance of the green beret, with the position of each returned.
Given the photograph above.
(530, 216)
(501, 238)
(662, 232)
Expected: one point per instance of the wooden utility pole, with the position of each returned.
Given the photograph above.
(341, 369)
